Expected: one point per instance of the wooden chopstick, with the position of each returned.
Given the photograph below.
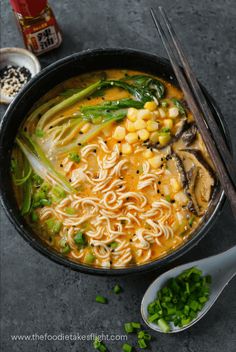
(223, 149)
(197, 103)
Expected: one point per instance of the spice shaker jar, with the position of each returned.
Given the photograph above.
(37, 24)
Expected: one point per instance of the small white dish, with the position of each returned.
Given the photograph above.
(18, 57)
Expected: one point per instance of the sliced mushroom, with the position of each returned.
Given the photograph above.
(198, 182)
(193, 203)
(206, 178)
(189, 136)
(180, 168)
(188, 182)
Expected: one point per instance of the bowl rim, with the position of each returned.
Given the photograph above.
(79, 267)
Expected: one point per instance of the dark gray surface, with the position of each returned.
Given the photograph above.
(39, 296)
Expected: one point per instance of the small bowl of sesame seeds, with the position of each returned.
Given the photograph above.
(17, 67)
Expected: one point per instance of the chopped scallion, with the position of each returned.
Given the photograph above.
(142, 343)
(39, 133)
(99, 345)
(89, 258)
(180, 300)
(127, 348)
(79, 238)
(136, 325)
(128, 328)
(113, 245)
(74, 157)
(117, 289)
(101, 299)
(70, 211)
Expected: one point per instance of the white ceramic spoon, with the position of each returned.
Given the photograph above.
(221, 267)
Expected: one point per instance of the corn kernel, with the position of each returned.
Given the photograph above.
(162, 113)
(132, 114)
(144, 114)
(168, 123)
(163, 140)
(166, 190)
(147, 154)
(150, 105)
(86, 127)
(139, 124)
(155, 115)
(131, 137)
(119, 133)
(143, 134)
(173, 112)
(126, 148)
(156, 161)
(181, 198)
(175, 185)
(152, 126)
(130, 126)
(154, 137)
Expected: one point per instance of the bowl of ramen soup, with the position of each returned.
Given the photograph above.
(103, 168)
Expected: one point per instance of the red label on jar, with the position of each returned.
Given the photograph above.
(38, 25)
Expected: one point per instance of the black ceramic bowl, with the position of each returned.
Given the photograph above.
(49, 77)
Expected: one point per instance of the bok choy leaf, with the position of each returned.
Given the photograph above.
(107, 120)
(21, 174)
(113, 105)
(40, 164)
(45, 119)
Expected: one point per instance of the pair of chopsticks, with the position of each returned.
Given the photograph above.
(212, 137)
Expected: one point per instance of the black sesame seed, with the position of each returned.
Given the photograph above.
(137, 172)
(80, 132)
(95, 150)
(61, 165)
(79, 144)
(159, 182)
(120, 153)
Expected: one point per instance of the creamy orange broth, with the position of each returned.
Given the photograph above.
(181, 221)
